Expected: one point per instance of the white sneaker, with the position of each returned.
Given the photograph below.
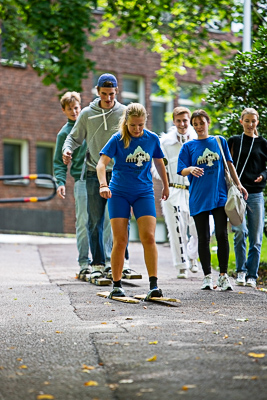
(99, 268)
(126, 264)
(207, 283)
(193, 266)
(182, 273)
(241, 279)
(224, 282)
(251, 282)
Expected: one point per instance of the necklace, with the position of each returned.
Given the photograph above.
(240, 154)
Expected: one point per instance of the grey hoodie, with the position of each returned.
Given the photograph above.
(96, 125)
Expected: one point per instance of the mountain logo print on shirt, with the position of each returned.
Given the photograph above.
(208, 157)
(138, 157)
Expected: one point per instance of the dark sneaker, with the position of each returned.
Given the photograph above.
(156, 292)
(117, 292)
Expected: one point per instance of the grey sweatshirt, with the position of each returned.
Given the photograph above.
(96, 125)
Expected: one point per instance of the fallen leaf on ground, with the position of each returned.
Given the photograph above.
(256, 355)
(89, 367)
(91, 383)
(59, 332)
(241, 292)
(113, 386)
(155, 342)
(154, 358)
(45, 397)
(225, 336)
(23, 367)
(186, 387)
(246, 377)
(104, 323)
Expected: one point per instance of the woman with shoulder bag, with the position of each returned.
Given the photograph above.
(201, 160)
(249, 152)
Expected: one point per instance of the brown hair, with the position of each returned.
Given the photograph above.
(181, 110)
(70, 97)
(132, 110)
(200, 114)
(247, 111)
(107, 84)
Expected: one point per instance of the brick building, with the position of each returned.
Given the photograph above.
(31, 116)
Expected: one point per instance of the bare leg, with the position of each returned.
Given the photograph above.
(147, 227)
(120, 239)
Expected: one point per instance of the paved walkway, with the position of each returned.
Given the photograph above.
(59, 338)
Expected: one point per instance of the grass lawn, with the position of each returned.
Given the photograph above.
(231, 264)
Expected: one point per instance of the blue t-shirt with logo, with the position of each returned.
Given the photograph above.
(209, 191)
(132, 166)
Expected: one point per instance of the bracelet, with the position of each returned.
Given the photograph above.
(102, 185)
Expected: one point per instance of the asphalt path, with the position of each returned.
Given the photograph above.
(59, 340)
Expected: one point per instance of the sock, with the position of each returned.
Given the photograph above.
(153, 282)
(117, 283)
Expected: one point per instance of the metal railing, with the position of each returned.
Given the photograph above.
(30, 177)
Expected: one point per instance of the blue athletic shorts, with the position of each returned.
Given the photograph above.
(119, 205)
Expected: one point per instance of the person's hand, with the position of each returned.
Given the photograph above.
(243, 191)
(197, 172)
(259, 179)
(105, 192)
(165, 193)
(66, 156)
(61, 192)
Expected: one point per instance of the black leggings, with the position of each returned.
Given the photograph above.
(203, 231)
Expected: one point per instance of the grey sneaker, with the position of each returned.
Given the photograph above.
(207, 283)
(251, 282)
(117, 292)
(193, 266)
(241, 279)
(224, 282)
(182, 273)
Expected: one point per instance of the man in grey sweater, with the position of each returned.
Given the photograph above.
(96, 124)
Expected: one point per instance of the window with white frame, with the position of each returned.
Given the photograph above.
(44, 161)
(133, 90)
(190, 95)
(161, 110)
(16, 155)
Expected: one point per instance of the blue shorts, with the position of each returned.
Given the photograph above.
(119, 205)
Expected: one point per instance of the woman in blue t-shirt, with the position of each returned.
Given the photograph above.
(201, 160)
(132, 149)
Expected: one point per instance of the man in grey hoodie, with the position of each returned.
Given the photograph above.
(96, 124)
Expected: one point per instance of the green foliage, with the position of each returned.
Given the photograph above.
(243, 84)
(51, 36)
(179, 31)
(54, 36)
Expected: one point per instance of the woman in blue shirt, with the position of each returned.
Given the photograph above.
(132, 149)
(201, 160)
